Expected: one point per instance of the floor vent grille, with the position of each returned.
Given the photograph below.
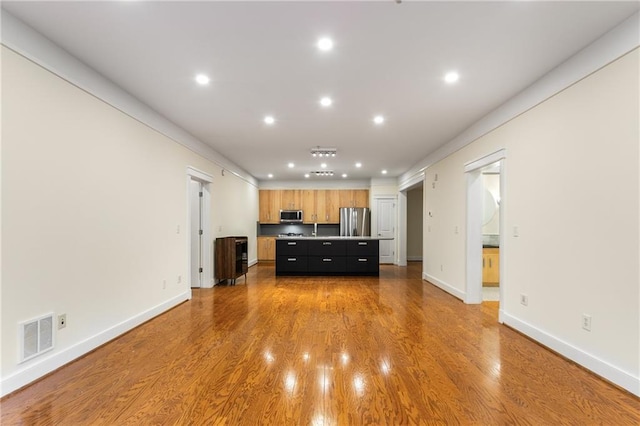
(36, 337)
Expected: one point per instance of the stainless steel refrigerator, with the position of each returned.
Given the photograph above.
(355, 222)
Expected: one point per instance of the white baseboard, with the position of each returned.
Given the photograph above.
(37, 369)
(253, 262)
(600, 367)
(446, 287)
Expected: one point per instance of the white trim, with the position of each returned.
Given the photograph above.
(26, 41)
(409, 182)
(485, 161)
(616, 43)
(37, 369)
(199, 174)
(600, 367)
(444, 286)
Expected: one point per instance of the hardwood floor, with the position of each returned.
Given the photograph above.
(322, 351)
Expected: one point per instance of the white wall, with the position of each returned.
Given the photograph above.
(91, 203)
(572, 189)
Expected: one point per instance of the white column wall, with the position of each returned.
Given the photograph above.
(91, 204)
(572, 189)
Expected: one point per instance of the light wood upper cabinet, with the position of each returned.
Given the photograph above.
(309, 205)
(318, 205)
(354, 198)
(269, 206)
(290, 199)
(331, 206)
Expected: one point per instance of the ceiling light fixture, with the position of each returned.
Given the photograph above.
(306, 175)
(384, 172)
(344, 175)
(291, 165)
(326, 102)
(202, 79)
(270, 175)
(325, 44)
(358, 165)
(378, 119)
(322, 173)
(269, 119)
(323, 152)
(323, 165)
(451, 77)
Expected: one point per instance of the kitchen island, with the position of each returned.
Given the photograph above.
(327, 255)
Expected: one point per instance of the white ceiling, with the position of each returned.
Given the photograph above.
(388, 59)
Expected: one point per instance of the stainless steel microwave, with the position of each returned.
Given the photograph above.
(290, 216)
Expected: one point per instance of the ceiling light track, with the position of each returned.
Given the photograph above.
(323, 152)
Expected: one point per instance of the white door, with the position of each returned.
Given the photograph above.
(386, 220)
(195, 208)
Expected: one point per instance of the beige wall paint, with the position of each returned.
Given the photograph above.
(91, 202)
(414, 224)
(572, 188)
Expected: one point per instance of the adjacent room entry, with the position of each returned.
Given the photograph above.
(199, 229)
(196, 231)
(385, 227)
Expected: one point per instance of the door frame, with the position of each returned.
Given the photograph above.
(374, 221)
(207, 243)
(473, 170)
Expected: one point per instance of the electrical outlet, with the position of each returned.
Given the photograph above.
(164, 284)
(178, 229)
(516, 231)
(586, 322)
(62, 321)
(524, 300)
(179, 279)
(441, 268)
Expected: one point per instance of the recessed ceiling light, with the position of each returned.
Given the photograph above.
(270, 175)
(384, 172)
(326, 101)
(202, 79)
(358, 165)
(323, 165)
(291, 165)
(325, 44)
(269, 119)
(451, 77)
(344, 175)
(306, 175)
(378, 119)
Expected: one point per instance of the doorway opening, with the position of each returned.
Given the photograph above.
(415, 219)
(200, 259)
(485, 229)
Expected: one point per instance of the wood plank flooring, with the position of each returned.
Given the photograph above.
(322, 351)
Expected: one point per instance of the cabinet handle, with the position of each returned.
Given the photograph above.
(327, 218)
(490, 266)
(326, 243)
(292, 259)
(362, 243)
(292, 243)
(327, 260)
(483, 262)
(362, 260)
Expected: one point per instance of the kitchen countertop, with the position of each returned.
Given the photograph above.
(322, 237)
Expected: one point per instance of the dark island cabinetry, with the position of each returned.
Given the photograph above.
(327, 257)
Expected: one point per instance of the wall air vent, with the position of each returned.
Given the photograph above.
(36, 337)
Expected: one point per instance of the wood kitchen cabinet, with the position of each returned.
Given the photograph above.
(290, 199)
(269, 205)
(266, 248)
(310, 205)
(354, 198)
(490, 267)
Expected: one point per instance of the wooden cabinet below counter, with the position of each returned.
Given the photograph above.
(266, 248)
(490, 267)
